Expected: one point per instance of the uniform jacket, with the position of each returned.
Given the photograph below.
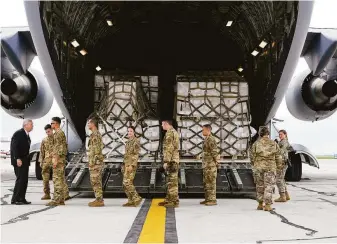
(210, 152)
(59, 144)
(95, 148)
(46, 149)
(171, 146)
(132, 149)
(266, 155)
(284, 147)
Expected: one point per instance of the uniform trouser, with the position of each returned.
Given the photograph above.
(46, 167)
(280, 181)
(209, 179)
(96, 179)
(59, 181)
(265, 182)
(172, 183)
(65, 185)
(129, 188)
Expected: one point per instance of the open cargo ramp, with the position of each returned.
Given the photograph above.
(218, 98)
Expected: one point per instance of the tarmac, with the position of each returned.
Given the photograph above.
(309, 217)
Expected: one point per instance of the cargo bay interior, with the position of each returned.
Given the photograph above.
(196, 62)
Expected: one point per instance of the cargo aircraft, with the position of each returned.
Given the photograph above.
(224, 63)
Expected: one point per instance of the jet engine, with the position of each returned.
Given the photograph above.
(27, 95)
(25, 92)
(312, 98)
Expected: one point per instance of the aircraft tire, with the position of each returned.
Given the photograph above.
(294, 173)
(38, 170)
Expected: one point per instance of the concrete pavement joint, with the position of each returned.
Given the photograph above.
(286, 221)
(304, 239)
(318, 192)
(25, 216)
(325, 200)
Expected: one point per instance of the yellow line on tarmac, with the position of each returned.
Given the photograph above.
(154, 227)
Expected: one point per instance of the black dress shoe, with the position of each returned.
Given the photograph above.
(18, 203)
(26, 202)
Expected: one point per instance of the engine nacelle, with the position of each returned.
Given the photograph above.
(27, 95)
(312, 98)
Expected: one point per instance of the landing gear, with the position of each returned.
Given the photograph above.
(294, 173)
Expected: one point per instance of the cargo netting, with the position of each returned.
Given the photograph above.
(127, 100)
(217, 98)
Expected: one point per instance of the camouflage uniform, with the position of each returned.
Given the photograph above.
(132, 149)
(209, 165)
(59, 149)
(266, 159)
(171, 158)
(45, 160)
(96, 163)
(280, 174)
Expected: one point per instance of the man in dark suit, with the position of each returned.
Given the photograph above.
(20, 145)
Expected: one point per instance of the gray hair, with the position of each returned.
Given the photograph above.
(26, 121)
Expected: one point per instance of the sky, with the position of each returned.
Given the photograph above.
(319, 137)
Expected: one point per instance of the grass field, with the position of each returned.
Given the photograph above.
(325, 157)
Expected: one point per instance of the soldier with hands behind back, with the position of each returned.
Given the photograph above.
(45, 159)
(59, 153)
(96, 162)
(209, 166)
(171, 164)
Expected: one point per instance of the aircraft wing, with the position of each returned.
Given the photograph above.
(319, 49)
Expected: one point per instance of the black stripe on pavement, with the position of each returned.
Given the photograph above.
(137, 226)
(171, 235)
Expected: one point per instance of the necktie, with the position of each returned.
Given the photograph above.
(28, 139)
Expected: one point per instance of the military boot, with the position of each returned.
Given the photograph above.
(138, 202)
(282, 198)
(268, 207)
(54, 203)
(211, 203)
(128, 204)
(171, 205)
(46, 197)
(260, 206)
(287, 196)
(96, 203)
(162, 203)
(203, 202)
(67, 198)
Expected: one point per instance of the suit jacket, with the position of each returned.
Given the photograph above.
(20, 145)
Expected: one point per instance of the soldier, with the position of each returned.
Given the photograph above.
(209, 165)
(171, 164)
(129, 168)
(59, 153)
(45, 160)
(96, 163)
(266, 159)
(280, 174)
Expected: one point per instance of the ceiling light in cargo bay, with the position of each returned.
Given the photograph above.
(229, 23)
(240, 69)
(75, 43)
(83, 52)
(263, 44)
(110, 22)
(98, 68)
(254, 53)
